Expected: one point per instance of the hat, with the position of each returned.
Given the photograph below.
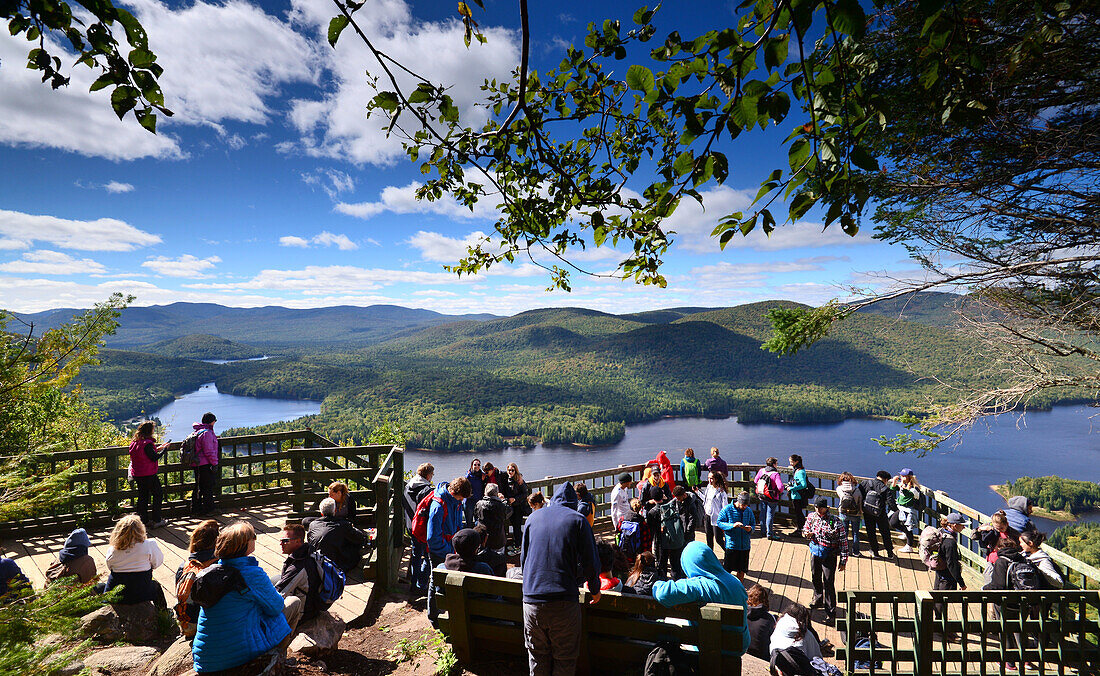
(905, 472)
(625, 478)
(821, 502)
(955, 519)
(743, 496)
(466, 543)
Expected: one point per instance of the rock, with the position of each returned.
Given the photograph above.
(175, 661)
(318, 635)
(135, 623)
(70, 669)
(120, 659)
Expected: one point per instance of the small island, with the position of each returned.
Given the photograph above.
(1053, 497)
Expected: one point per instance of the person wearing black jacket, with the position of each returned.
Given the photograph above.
(516, 491)
(876, 509)
(761, 622)
(1008, 553)
(667, 556)
(336, 538)
(492, 512)
(415, 491)
(300, 577)
(950, 576)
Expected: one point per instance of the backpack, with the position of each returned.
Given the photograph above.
(1024, 576)
(873, 502)
(187, 612)
(630, 538)
(188, 451)
(849, 506)
(765, 488)
(332, 579)
(668, 659)
(672, 526)
(809, 491)
(929, 548)
(691, 473)
(420, 516)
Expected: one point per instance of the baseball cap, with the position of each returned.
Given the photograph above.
(821, 502)
(624, 477)
(905, 472)
(954, 518)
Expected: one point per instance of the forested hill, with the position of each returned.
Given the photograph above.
(576, 375)
(203, 346)
(268, 328)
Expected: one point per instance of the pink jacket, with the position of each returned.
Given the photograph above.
(776, 480)
(206, 446)
(140, 464)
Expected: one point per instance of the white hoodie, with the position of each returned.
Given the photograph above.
(1046, 566)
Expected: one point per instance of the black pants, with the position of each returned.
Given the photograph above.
(882, 523)
(202, 497)
(713, 533)
(824, 579)
(798, 513)
(671, 557)
(148, 487)
(943, 582)
(517, 528)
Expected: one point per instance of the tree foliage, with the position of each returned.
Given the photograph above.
(39, 412)
(1057, 494)
(92, 29)
(1079, 540)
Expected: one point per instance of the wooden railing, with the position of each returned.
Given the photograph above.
(483, 615)
(972, 632)
(294, 467)
(387, 514)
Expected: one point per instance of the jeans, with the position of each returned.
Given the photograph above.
(768, 508)
(552, 636)
(824, 580)
(853, 523)
(433, 591)
(148, 487)
(202, 497)
(419, 566)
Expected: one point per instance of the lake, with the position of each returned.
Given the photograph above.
(1059, 442)
(232, 411)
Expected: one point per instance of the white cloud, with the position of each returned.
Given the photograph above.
(117, 187)
(402, 200)
(45, 262)
(332, 181)
(325, 238)
(19, 230)
(725, 275)
(439, 248)
(693, 226)
(334, 125)
(331, 279)
(184, 266)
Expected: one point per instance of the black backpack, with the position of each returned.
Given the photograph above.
(668, 659)
(1024, 576)
(873, 502)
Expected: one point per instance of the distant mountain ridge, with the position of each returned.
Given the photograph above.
(267, 327)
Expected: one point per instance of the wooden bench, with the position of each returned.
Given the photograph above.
(483, 615)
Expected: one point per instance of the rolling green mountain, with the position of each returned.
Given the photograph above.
(933, 308)
(569, 375)
(203, 346)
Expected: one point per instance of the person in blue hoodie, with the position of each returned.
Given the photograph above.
(557, 556)
(1018, 513)
(11, 577)
(706, 582)
(241, 615)
(737, 520)
(444, 520)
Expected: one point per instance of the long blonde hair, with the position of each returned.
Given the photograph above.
(128, 532)
(233, 541)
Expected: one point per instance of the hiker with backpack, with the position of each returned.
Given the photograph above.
(794, 642)
(1013, 571)
(908, 492)
(850, 507)
(438, 518)
(677, 529)
(300, 580)
(705, 582)
(144, 467)
(635, 536)
(336, 538)
(494, 514)
(200, 451)
(827, 539)
(769, 488)
(620, 499)
(876, 496)
(737, 522)
(939, 550)
(715, 499)
(419, 568)
(801, 491)
(1018, 512)
(1031, 543)
(200, 557)
(242, 616)
(691, 470)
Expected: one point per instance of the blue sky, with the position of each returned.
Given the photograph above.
(271, 187)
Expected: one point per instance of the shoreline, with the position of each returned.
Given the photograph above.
(1065, 517)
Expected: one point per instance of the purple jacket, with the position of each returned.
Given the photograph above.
(206, 446)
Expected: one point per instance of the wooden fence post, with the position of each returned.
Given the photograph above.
(398, 515)
(112, 483)
(458, 621)
(922, 653)
(383, 539)
(710, 639)
(297, 488)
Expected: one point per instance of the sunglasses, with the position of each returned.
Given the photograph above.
(283, 541)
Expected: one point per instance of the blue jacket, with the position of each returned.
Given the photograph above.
(706, 582)
(559, 551)
(440, 528)
(1016, 513)
(477, 483)
(799, 483)
(737, 539)
(242, 625)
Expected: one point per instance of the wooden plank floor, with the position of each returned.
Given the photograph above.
(35, 555)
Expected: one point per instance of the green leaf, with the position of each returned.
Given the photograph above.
(775, 52)
(848, 17)
(142, 58)
(683, 163)
(800, 150)
(386, 101)
(103, 81)
(335, 27)
(640, 78)
(863, 159)
(123, 100)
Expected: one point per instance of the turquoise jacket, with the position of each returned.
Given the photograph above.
(737, 539)
(706, 582)
(242, 625)
(799, 483)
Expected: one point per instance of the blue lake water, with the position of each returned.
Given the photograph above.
(231, 410)
(1063, 442)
